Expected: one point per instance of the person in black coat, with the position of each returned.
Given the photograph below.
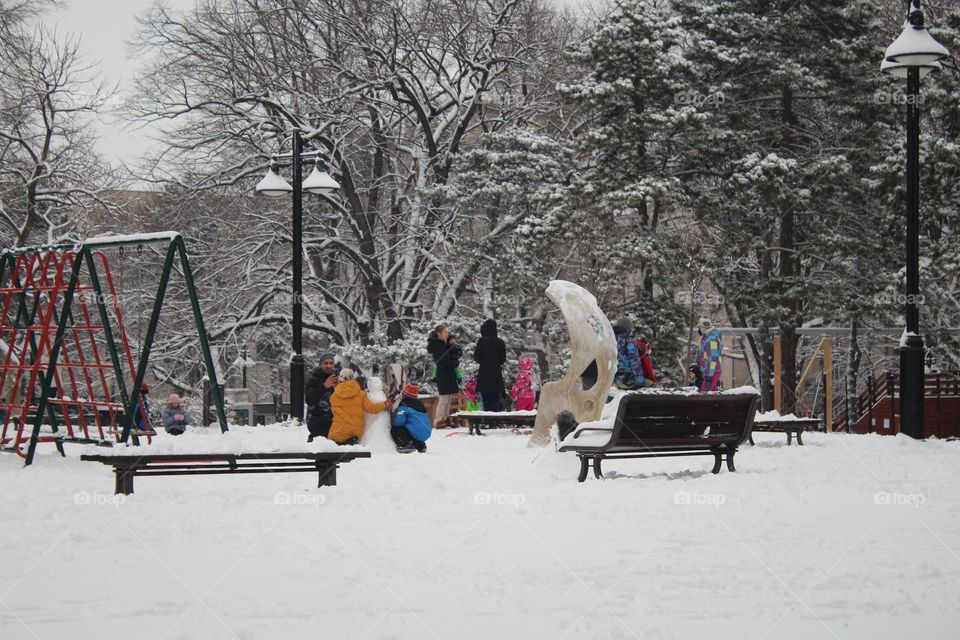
(446, 359)
(317, 394)
(490, 353)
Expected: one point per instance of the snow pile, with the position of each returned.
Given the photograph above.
(774, 416)
(596, 433)
(483, 537)
(275, 438)
(497, 414)
(906, 337)
(684, 391)
(133, 237)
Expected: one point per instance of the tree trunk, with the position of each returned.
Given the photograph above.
(853, 370)
(788, 275)
(766, 369)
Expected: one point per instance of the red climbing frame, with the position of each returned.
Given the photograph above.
(32, 298)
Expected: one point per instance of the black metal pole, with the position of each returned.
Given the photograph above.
(244, 366)
(912, 349)
(296, 363)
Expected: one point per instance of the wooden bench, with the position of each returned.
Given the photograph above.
(126, 467)
(474, 419)
(659, 425)
(789, 427)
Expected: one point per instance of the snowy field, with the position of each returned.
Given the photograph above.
(846, 537)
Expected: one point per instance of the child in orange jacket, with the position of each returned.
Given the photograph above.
(349, 402)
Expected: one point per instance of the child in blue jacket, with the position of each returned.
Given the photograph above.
(411, 425)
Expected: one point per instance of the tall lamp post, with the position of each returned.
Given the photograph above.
(913, 54)
(318, 182)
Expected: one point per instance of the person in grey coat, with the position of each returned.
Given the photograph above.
(174, 416)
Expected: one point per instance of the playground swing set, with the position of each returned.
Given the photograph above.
(63, 338)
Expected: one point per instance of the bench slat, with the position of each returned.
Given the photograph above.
(205, 472)
(127, 466)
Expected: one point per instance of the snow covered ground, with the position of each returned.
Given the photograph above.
(846, 537)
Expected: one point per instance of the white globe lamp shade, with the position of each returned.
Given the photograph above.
(273, 184)
(915, 47)
(898, 70)
(320, 182)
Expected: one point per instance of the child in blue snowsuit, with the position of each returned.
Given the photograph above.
(411, 425)
(629, 361)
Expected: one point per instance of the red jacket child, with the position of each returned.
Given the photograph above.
(644, 346)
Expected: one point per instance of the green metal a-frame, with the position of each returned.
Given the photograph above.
(84, 255)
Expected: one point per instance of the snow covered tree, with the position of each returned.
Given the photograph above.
(780, 163)
(389, 93)
(634, 241)
(512, 191)
(49, 171)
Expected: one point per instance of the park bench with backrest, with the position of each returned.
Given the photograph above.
(127, 466)
(790, 427)
(658, 425)
(473, 420)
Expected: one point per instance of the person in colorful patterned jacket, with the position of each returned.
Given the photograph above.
(471, 396)
(629, 363)
(523, 394)
(710, 356)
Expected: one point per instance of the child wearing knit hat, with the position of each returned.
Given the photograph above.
(411, 426)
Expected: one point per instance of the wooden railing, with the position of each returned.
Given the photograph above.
(936, 387)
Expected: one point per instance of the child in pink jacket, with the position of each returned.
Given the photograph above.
(523, 394)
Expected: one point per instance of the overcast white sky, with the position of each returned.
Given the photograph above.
(105, 27)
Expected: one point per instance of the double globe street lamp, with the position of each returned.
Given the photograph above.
(318, 182)
(914, 54)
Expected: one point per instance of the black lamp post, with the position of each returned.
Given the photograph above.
(244, 381)
(318, 182)
(913, 54)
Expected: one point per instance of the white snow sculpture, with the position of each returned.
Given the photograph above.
(376, 429)
(591, 340)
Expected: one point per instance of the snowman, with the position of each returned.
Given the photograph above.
(376, 430)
